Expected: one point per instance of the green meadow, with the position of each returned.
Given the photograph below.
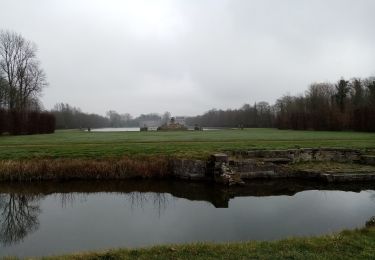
(188, 144)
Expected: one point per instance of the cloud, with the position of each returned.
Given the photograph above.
(189, 56)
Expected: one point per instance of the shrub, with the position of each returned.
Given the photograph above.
(33, 122)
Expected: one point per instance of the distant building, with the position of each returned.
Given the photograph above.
(177, 122)
(174, 125)
(180, 120)
(152, 125)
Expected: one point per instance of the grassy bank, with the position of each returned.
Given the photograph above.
(79, 144)
(333, 167)
(357, 244)
(74, 154)
(84, 169)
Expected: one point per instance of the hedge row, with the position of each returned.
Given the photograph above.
(33, 122)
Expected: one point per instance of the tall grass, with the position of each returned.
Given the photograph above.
(71, 169)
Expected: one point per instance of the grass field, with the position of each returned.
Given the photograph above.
(357, 244)
(74, 143)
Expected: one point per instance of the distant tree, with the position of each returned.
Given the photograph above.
(357, 92)
(151, 116)
(126, 117)
(166, 117)
(114, 118)
(3, 92)
(318, 99)
(245, 107)
(70, 117)
(342, 91)
(370, 87)
(264, 114)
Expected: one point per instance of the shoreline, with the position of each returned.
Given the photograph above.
(231, 168)
(216, 194)
(347, 244)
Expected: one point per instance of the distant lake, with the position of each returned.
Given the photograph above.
(56, 218)
(135, 129)
(116, 129)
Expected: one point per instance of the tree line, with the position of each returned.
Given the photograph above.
(261, 114)
(21, 83)
(70, 117)
(345, 105)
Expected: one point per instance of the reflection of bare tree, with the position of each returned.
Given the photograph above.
(18, 217)
(139, 199)
(136, 199)
(372, 195)
(160, 201)
(71, 198)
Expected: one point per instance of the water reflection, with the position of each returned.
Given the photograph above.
(19, 217)
(69, 199)
(217, 195)
(138, 208)
(19, 212)
(372, 196)
(160, 201)
(134, 199)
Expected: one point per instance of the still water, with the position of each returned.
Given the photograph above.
(54, 218)
(137, 129)
(116, 129)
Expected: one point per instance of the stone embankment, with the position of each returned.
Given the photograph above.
(236, 167)
(231, 168)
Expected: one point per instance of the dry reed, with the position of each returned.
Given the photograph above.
(70, 169)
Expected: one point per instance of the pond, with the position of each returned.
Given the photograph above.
(116, 129)
(56, 218)
(137, 129)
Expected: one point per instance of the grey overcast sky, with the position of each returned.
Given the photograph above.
(187, 56)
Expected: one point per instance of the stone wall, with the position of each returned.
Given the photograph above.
(368, 159)
(303, 155)
(270, 164)
(189, 169)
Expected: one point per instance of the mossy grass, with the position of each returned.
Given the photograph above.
(334, 167)
(185, 144)
(355, 244)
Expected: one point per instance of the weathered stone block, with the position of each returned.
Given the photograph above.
(368, 159)
(189, 169)
(307, 155)
(219, 157)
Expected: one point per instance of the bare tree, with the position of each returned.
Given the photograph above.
(126, 117)
(114, 118)
(357, 92)
(21, 70)
(166, 117)
(342, 91)
(3, 91)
